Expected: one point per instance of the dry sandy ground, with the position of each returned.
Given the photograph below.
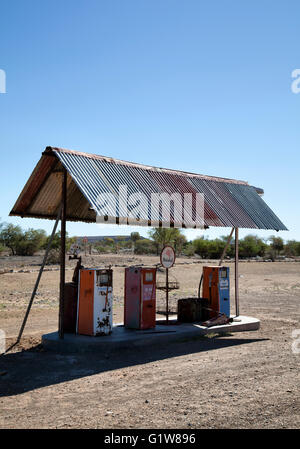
(243, 380)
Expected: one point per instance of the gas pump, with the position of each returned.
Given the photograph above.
(216, 288)
(71, 298)
(140, 298)
(95, 297)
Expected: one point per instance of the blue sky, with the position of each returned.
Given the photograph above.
(192, 85)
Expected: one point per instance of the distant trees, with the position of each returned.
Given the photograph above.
(144, 246)
(292, 248)
(252, 246)
(276, 244)
(134, 237)
(31, 242)
(167, 236)
(21, 243)
(55, 244)
(208, 249)
(10, 236)
(28, 242)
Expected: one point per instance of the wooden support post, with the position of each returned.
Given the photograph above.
(39, 277)
(237, 311)
(62, 254)
(226, 247)
(167, 294)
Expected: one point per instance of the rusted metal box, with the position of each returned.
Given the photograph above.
(140, 298)
(95, 296)
(70, 307)
(192, 310)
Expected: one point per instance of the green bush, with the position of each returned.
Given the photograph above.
(144, 246)
(53, 257)
(292, 248)
(209, 249)
(276, 244)
(103, 248)
(252, 246)
(189, 249)
(56, 241)
(22, 243)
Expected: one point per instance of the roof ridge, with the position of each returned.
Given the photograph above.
(144, 166)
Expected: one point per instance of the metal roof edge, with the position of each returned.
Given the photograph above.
(50, 149)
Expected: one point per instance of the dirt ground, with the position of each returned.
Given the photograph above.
(242, 380)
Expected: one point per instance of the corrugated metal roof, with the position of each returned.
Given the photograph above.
(227, 202)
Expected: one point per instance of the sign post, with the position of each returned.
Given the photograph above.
(167, 259)
(85, 241)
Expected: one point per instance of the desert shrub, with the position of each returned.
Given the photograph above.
(167, 236)
(103, 248)
(32, 241)
(189, 249)
(53, 257)
(10, 236)
(144, 246)
(22, 243)
(276, 244)
(209, 249)
(56, 241)
(292, 248)
(252, 246)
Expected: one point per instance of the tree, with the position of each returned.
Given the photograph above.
(201, 246)
(31, 242)
(179, 242)
(189, 249)
(276, 244)
(252, 246)
(109, 241)
(164, 236)
(10, 236)
(57, 239)
(144, 246)
(292, 248)
(134, 237)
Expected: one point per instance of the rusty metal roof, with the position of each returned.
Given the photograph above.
(227, 202)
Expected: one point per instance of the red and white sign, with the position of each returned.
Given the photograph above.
(167, 257)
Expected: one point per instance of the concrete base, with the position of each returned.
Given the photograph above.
(122, 338)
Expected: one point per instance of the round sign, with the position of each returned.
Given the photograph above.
(167, 257)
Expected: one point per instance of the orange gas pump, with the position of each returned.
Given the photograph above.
(95, 300)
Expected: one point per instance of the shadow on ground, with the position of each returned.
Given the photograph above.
(31, 369)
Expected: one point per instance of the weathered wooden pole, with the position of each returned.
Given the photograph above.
(226, 247)
(237, 311)
(62, 253)
(39, 277)
(167, 294)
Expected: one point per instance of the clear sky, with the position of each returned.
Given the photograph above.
(192, 85)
